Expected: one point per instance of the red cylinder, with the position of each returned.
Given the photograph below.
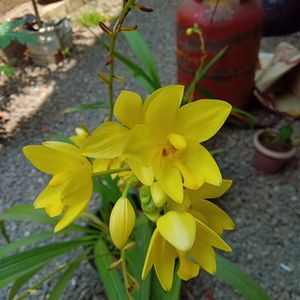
(235, 24)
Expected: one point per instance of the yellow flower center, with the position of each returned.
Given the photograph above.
(175, 144)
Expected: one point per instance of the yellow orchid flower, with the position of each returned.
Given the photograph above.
(121, 222)
(70, 189)
(169, 136)
(109, 139)
(179, 235)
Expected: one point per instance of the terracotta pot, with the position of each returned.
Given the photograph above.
(266, 160)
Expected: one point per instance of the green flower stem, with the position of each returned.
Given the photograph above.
(112, 49)
(125, 274)
(129, 184)
(113, 171)
(96, 220)
(38, 283)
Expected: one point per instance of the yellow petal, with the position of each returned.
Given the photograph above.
(49, 196)
(64, 148)
(164, 263)
(201, 164)
(100, 165)
(128, 108)
(217, 219)
(107, 141)
(50, 161)
(177, 141)
(162, 111)
(71, 213)
(79, 188)
(153, 247)
(141, 145)
(143, 174)
(121, 222)
(187, 269)
(178, 228)
(169, 179)
(208, 191)
(201, 119)
(212, 238)
(204, 255)
(54, 210)
(158, 195)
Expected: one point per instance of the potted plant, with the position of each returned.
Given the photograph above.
(273, 148)
(53, 37)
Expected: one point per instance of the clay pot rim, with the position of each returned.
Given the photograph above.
(268, 152)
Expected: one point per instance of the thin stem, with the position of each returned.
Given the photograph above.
(112, 171)
(36, 12)
(96, 220)
(125, 275)
(129, 184)
(112, 49)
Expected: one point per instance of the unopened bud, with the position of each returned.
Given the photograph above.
(141, 7)
(121, 222)
(158, 195)
(189, 31)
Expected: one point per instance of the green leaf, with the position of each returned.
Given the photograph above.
(243, 116)
(109, 192)
(199, 74)
(159, 293)
(63, 281)
(7, 70)
(26, 212)
(17, 265)
(61, 138)
(10, 248)
(4, 232)
(136, 257)
(141, 50)
(231, 274)
(87, 106)
(134, 70)
(20, 282)
(111, 280)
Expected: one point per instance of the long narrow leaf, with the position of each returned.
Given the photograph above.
(136, 257)
(134, 70)
(3, 231)
(20, 282)
(203, 71)
(141, 50)
(87, 106)
(15, 266)
(231, 274)
(111, 279)
(63, 281)
(26, 212)
(10, 248)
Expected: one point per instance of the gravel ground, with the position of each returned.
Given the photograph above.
(266, 209)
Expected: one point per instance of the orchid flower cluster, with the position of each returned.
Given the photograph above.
(153, 146)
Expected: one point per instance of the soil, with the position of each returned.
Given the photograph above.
(270, 141)
(265, 208)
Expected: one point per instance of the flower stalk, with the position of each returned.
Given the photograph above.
(112, 49)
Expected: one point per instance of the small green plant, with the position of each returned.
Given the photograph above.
(91, 19)
(9, 32)
(285, 134)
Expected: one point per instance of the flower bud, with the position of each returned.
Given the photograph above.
(158, 195)
(121, 222)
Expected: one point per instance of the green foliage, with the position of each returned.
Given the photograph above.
(87, 106)
(232, 275)
(62, 282)
(91, 18)
(10, 31)
(7, 70)
(144, 55)
(285, 133)
(110, 279)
